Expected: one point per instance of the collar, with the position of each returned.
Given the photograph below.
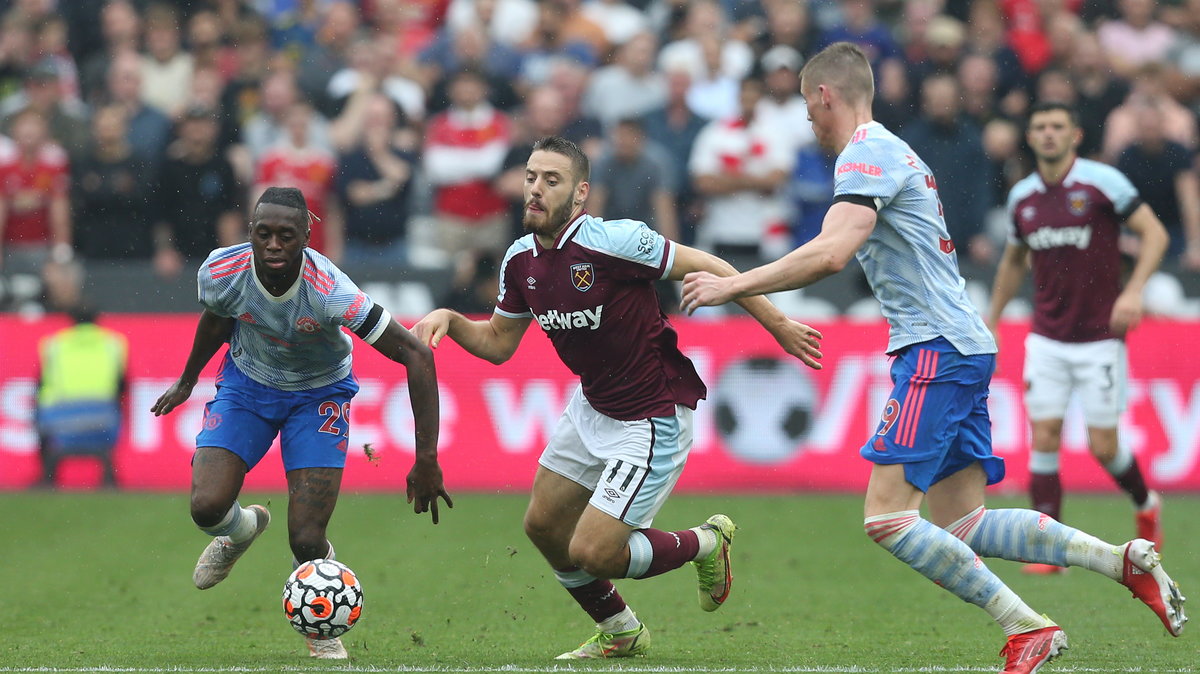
(563, 236)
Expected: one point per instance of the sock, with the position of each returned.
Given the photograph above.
(652, 551)
(1045, 485)
(941, 557)
(1029, 536)
(239, 524)
(1128, 475)
(621, 622)
(597, 597)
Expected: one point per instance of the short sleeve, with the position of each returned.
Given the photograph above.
(207, 292)
(510, 301)
(1010, 219)
(349, 306)
(1119, 190)
(651, 254)
(862, 171)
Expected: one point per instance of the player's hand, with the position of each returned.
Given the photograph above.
(431, 329)
(801, 341)
(175, 396)
(424, 486)
(702, 289)
(1126, 313)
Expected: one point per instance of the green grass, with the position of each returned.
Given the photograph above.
(103, 580)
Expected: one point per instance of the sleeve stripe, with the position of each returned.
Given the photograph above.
(870, 202)
(1133, 206)
(509, 314)
(670, 263)
(372, 326)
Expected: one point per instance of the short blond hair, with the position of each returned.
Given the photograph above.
(842, 66)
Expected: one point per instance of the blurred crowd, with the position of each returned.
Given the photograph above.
(141, 130)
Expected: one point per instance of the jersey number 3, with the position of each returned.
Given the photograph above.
(332, 413)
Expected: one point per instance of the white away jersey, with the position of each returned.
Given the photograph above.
(293, 342)
(909, 259)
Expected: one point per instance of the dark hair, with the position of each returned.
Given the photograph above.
(83, 312)
(1051, 106)
(559, 145)
(285, 196)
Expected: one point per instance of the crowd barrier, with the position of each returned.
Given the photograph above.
(769, 423)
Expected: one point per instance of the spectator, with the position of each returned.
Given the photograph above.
(1183, 57)
(374, 183)
(1162, 172)
(52, 47)
(121, 26)
(740, 171)
(149, 128)
(206, 42)
(977, 79)
(953, 149)
(470, 47)
(707, 49)
(783, 107)
(986, 37)
(1137, 38)
(329, 54)
(200, 209)
(789, 24)
(944, 48)
(570, 80)
(241, 98)
(861, 26)
(508, 22)
(465, 147)
(16, 54)
(113, 192)
(166, 68)
(81, 382)
(1099, 92)
(369, 72)
(36, 233)
(67, 121)
(632, 176)
(548, 43)
(298, 160)
(268, 127)
(1148, 87)
(619, 21)
(674, 127)
(630, 87)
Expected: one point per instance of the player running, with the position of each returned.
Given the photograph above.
(1066, 217)
(281, 307)
(623, 440)
(934, 439)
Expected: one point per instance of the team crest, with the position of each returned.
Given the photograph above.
(307, 324)
(582, 276)
(1077, 202)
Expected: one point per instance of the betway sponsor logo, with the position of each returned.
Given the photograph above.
(566, 320)
(1056, 237)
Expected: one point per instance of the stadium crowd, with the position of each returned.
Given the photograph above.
(140, 130)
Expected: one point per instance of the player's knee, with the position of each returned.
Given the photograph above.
(539, 528)
(597, 560)
(208, 509)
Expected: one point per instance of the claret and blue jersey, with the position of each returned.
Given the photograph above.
(593, 295)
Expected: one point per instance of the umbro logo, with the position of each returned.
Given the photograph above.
(611, 493)
(531, 281)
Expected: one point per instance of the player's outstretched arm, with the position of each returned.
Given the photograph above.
(845, 229)
(211, 333)
(798, 339)
(494, 340)
(424, 483)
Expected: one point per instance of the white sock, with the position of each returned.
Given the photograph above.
(621, 622)
(239, 524)
(1013, 615)
(1094, 554)
(708, 541)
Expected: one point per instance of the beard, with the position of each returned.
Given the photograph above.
(553, 221)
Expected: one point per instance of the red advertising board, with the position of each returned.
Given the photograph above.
(768, 424)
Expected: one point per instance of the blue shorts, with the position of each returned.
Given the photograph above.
(936, 420)
(246, 416)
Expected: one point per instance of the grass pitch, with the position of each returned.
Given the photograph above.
(102, 581)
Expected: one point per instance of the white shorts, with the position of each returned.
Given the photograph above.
(1098, 371)
(630, 466)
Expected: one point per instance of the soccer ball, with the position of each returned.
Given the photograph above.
(764, 408)
(322, 599)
